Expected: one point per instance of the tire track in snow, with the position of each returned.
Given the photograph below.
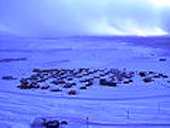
(143, 125)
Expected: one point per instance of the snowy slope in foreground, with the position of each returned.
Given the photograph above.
(147, 105)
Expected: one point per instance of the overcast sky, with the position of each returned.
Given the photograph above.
(85, 17)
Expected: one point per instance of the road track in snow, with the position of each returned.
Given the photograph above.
(85, 98)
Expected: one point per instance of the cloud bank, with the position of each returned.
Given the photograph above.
(51, 18)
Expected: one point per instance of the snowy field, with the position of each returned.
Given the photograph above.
(135, 105)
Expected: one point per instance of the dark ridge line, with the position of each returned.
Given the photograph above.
(8, 60)
(35, 50)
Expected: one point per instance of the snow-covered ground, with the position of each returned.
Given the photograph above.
(134, 105)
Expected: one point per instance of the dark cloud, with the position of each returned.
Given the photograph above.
(76, 17)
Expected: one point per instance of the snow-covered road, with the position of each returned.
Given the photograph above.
(135, 105)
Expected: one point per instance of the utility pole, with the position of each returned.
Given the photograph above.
(128, 114)
(159, 106)
(87, 122)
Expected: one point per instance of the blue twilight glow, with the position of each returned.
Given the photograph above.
(85, 17)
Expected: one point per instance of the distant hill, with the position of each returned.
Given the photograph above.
(7, 35)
